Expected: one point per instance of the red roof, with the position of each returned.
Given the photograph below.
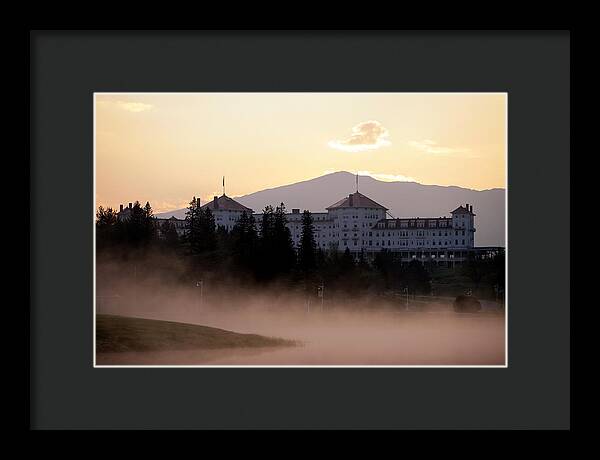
(356, 200)
(227, 204)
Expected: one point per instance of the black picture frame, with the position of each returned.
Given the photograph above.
(66, 68)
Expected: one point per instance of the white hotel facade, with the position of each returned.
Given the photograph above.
(362, 225)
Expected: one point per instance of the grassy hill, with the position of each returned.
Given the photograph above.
(121, 333)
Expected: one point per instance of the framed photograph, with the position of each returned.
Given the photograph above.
(317, 251)
(265, 227)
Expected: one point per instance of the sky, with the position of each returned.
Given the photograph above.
(167, 148)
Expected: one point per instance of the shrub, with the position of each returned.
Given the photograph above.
(466, 303)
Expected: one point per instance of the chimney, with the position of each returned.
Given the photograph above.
(120, 208)
(351, 200)
(215, 202)
(129, 205)
(295, 211)
(198, 202)
(471, 209)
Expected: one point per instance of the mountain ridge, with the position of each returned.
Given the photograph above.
(404, 199)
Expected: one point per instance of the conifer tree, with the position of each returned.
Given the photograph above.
(136, 226)
(170, 235)
(193, 227)
(208, 230)
(149, 230)
(265, 263)
(106, 227)
(307, 247)
(283, 244)
(267, 223)
(245, 242)
(105, 218)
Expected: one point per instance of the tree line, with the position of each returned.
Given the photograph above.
(263, 252)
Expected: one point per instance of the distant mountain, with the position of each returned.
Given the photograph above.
(404, 199)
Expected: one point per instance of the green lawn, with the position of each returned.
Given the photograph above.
(122, 333)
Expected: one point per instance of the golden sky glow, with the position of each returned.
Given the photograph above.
(166, 148)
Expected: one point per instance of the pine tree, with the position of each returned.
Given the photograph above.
(307, 247)
(106, 227)
(170, 235)
(193, 227)
(276, 254)
(105, 218)
(245, 242)
(136, 226)
(267, 223)
(284, 246)
(149, 233)
(265, 262)
(208, 230)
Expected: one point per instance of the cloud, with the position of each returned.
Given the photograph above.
(134, 106)
(368, 135)
(125, 105)
(379, 176)
(167, 205)
(387, 177)
(433, 147)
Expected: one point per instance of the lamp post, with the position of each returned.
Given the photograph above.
(321, 293)
(200, 284)
(135, 284)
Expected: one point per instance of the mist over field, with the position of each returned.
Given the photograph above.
(363, 330)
